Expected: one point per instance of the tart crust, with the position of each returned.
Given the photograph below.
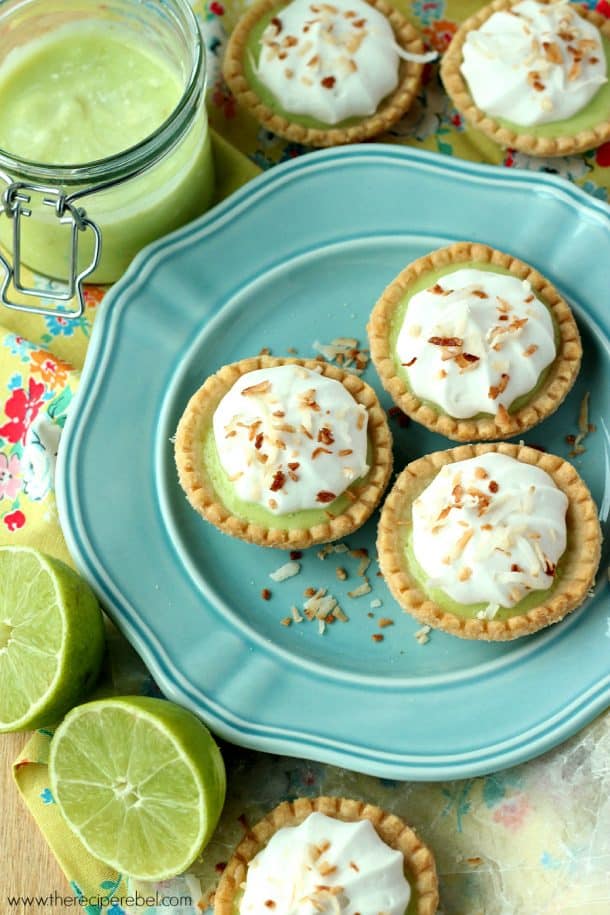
(419, 861)
(580, 561)
(561, 373)
(203, 497)
(390, 110)
(457, 89)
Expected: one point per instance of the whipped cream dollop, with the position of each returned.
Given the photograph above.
(290, 438)
(326, 867)
(535, 63)
(331, 61)
(490, 529)
(475, 341)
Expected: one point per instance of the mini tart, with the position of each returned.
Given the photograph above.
(559, 377)
(578, 564)
(202, 495)
(390, 110)
(457, 88)
(420, 869)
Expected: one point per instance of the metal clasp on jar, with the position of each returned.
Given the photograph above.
(15, 205)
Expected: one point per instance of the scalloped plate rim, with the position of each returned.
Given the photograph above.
(175, 684)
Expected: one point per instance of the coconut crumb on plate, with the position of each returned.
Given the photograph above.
(288, 570)
(344, 352)
(364, 588)
(584, 428)
(422, 635)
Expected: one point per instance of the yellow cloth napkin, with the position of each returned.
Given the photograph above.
(40, 361)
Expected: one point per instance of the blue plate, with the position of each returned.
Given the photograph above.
(299, 255)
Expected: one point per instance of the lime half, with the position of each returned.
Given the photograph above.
(51, 639)
(140, 781)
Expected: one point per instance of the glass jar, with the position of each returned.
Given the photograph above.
(88, 219)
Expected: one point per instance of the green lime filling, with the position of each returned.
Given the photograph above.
(429, 279)
(595, 112)
(252, 55)
(469, 611)
(250, 511)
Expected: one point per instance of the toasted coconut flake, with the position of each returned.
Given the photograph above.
(496, 389)
(575, 70)
(314, 600)
(583, 415)
(364, 588)
(325, 436)
(288, 570)
(325, 606)
(466, 361)
(463, 541)
(349, 342)
(534, 80)
(279, 478)
(263, 387)
(552, 52)
(422, 635)
(584, 426)
(363, 566)
(502, 416)
(489, 612)
(446, 341)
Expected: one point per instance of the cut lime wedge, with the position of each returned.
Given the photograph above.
(51, 639)
(140, 781)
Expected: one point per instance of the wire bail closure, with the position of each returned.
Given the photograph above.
(15, 205)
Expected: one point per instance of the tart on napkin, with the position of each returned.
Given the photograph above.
(284, 452)
(329, 855)
(325, 73)
(474, 344)
(533, 75)
(490, 541)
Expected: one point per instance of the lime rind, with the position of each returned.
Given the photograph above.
(140, 781)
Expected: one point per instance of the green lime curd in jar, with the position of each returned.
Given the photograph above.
(81, 95)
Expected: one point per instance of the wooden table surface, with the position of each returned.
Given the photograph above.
(28, 867)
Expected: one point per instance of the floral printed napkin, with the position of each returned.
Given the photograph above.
(533, 840)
